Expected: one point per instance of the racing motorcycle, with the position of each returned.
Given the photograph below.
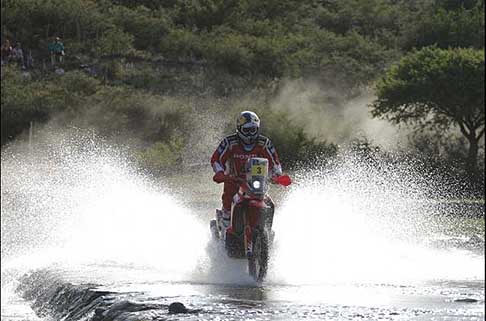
(250, 234)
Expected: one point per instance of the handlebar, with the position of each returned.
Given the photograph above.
(220, 177)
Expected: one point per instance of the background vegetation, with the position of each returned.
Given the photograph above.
(135, 69)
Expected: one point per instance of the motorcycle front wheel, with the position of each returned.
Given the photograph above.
(258, 261)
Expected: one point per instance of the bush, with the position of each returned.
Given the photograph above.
(446, 154)
(79, 84)
(294, 146)
(201, 14)
(34, 22)
(369, 18)
(147, 26)
(230, 52)
(448, 27)
(112, 71)
(114, 41)
(25, 100)
(181, 43)
(163, 157)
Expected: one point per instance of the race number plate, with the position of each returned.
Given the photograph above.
(258, 170)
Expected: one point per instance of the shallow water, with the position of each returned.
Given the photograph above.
(87, 237)
(143, 297)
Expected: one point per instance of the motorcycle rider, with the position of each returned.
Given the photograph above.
(229, 159)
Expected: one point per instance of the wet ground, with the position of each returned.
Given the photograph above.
(55, 298)
(125, 292)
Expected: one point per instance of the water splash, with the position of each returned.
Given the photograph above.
(218, 268)
(79, 201)
(364, 222)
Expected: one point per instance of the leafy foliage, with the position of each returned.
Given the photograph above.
(24, 101)
(163, 156)
(436, 87)
(146, 26)
(227, 48)
(447, 83)
(115, 42)
(449, 25)
(273, 39)
(82, 101)
(294, 146)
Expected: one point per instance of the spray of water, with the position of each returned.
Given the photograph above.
(364, 222)
(78, 204)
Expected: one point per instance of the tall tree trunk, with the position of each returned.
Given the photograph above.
(472, 157)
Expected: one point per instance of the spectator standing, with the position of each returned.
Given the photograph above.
(29, 60)
(18, 55)
(6, 51)
(56, 50)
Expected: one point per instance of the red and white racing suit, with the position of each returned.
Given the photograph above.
(230, 157)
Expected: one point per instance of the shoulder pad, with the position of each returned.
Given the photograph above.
(262, 140)
(232, 139)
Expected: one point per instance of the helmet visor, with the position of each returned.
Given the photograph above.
(249, 130)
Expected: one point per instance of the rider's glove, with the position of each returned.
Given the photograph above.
(219, 177)
(282, 180)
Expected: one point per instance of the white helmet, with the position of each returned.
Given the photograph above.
(248, 127)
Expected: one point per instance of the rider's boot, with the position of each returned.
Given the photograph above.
(269, 213)
(224, 218)
(269, 218)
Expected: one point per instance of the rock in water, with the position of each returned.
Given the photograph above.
(177, 307)
(466, 300)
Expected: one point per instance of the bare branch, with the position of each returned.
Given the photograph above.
(480, 134)
(478, 118)
(463, 129)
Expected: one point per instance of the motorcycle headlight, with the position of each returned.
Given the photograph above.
(256, 184)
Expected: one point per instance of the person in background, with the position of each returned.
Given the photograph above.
(29, 60)
(18, 55)
(6, 51)
(56, 50)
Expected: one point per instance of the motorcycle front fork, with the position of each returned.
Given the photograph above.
(247, 238)
(247, 231)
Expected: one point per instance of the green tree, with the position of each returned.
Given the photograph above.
(147, 26)
(437, 88)
(449, 23)
(163, 155)
(115, 42)
(25, 100)
(34, 22)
